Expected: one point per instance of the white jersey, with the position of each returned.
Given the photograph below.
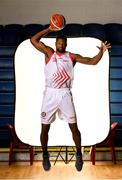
(59, 71)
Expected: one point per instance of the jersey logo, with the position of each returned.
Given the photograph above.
(60, 77)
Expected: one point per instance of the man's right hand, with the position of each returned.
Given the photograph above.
(53, 28)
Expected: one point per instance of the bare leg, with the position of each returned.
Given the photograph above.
(44, 137)
(77, 139)
(44, 140)
(76, 136)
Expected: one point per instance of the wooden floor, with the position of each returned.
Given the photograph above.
(61, 171)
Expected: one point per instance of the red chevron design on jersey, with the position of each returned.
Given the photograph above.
(60, 77)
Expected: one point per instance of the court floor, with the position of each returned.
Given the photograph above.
(103, 170)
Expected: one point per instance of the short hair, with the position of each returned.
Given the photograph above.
(62, 37)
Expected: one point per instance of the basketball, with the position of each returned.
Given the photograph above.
(57, 22)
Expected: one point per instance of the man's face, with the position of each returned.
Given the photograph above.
(60, 45)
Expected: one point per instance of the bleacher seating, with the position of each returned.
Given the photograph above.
(11, 35)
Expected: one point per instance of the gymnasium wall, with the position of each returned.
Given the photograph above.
(75, 11)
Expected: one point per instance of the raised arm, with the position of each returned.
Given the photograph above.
(35, 40)
(94, 60)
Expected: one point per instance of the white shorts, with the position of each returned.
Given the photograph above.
(57, 101)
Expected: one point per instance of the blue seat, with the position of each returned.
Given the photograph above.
(31, 29)
(7, 86)
(7, 98)
(94, 30)
(73, 30)
(1, 34)
(7, 110)
(13, 34)
(114, 33)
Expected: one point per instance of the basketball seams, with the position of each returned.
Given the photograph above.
(54, 24)
(58, 21)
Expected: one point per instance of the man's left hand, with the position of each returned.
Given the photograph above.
(104, 46)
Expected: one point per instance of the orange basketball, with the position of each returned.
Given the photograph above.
(57, 22)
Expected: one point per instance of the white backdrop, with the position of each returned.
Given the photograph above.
(90, 93)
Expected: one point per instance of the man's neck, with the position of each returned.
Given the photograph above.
(60, 53)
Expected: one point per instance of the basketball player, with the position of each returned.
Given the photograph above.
(57, 96)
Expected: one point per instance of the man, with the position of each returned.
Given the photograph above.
(57, 96)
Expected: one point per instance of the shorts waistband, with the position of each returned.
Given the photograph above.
(57, 89)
